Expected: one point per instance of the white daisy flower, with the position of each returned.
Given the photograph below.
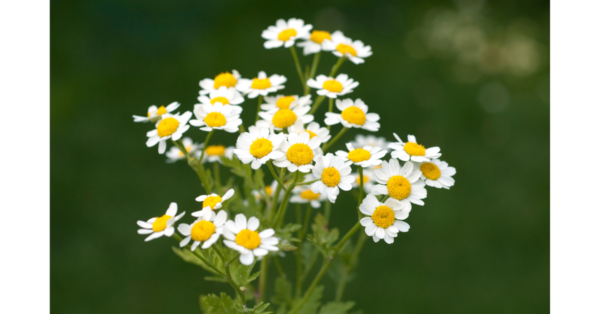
(257, 146)
(285, 118)
(174, 154)
(242, 236)
(300, 150)
(354, 115)
(212, 201)
(170, 126)
(314, 43)
(368, 180)
(205, 230)
(333, 87)
(226, 79)
(333, 174)
(343, 46)
(384, 220)
(285, 33)
(413, 151)
(218, 117)
(303, 194)
(213, 153)
(403, 184)
(159, 226)
(436, 173)
(369, 140)
(313, 129)
(155, 113)
(366, 156)
(274, 103)
(224, 95)
(262, 85)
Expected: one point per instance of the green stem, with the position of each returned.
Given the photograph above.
(276, 196)
(360, 193)
(298, 67)
(337, 137)
(327, 211)
(324, 268)
(217, 174)
(270, 164)
(235, 286)
(337, 66)
(286, 198)
(262, 280)
(204, 260)
(330, 110)
(301, 234)
(318, 102)
(258, 107)
(342, 285)
(313, 68)
(307, 182)
(200, 168)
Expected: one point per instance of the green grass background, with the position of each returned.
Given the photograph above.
(482, 247)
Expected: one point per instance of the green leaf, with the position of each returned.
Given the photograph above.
(189, 257)
(313, 302)
(242, 274)
(283, 291)
(259, 309)
(212, 304)
(217, 279)
(336, 308)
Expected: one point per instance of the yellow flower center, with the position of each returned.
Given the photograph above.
(309, 195)
(383, 216)
(215, 150)
(319, 36)
(187, 148)
(343, 49)
(167, 127)
(359, 155)
(365, 179)
(414, 149)
(160, 111)
(331, 177)
(430, 171)
(261, 147)
(211, 201)
(202, 230)
(225, 79)
(215, 120)
(160, 223)
(285, 102)
(354, 115)
(285, 35)
(261, 83)
(377, 167)
(220, 99)
(300, 154)
(284, 118)
(311, 133)
(268, 190)
(399, 187)
(248, 239)
(333, 86)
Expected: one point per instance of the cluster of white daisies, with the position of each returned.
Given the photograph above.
(286, 136)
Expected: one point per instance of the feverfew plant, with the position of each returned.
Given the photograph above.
(241, 234)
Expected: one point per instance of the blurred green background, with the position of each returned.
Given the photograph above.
(469, 76)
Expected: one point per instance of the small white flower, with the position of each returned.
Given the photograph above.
(155, 113)
(159, 226)
(285, 33)
(226, 79)
(262, 85)
(436, 173)
(384, 220)
(174, 154)
(333, 174)
(403, 184)
(205, 230)
(343, 46)
(213, 153)
(303, 194)
(257, 146)
(413, 151)
(212, 201)
(368, 180)
(353, 115)
(274, 103)
(369, 140)
(299, 152)
(313, 129)
(218, 117)
(314, 43)
(269, 191)
(170, 126)
(242, 236)
(333, 87)
(366, 156)
(285, 118)
(224, 95)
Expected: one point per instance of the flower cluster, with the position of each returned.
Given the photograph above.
(286, 138)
